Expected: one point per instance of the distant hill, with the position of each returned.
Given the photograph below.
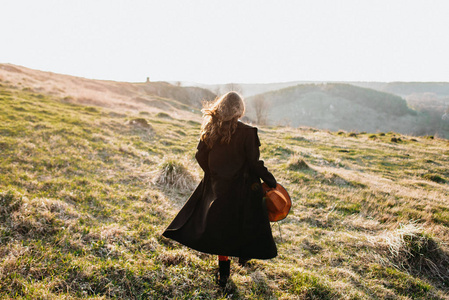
(430, 99)
(337, 106)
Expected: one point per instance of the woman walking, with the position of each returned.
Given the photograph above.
(226, 215)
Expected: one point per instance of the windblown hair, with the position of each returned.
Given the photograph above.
(220, 119)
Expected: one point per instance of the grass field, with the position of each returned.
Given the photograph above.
(86, 192)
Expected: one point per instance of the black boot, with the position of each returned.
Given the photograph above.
(224, 272)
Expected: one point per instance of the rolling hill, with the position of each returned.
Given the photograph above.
(86, 191)
(343, 105)
(335, 106)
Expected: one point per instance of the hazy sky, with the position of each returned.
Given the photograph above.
(220, 41)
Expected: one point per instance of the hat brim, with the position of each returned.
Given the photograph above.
(278, 202)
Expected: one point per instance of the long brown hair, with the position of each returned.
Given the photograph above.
(220, 118)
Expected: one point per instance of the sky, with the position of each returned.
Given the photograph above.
(222, 41)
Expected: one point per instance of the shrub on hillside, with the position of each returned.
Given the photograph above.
(91, 109)
(172, 173)
(163, 115)
(434, 177)
(297, 164)
(139, 122)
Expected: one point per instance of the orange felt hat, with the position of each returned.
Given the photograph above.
(278, 202)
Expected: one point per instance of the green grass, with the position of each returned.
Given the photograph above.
(83, 206)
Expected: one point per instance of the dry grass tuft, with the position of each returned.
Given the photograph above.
(297, 164)
(176, 257)
(400, 239)
(139, 122)
(434, 177)
(335, 179)
(172, 173)
(36, 216)
(413, 250)
(42, 215)
(163, 115)
(115, 233)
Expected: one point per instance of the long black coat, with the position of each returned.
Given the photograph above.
(226, 214)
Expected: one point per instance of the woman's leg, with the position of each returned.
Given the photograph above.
(224, 265)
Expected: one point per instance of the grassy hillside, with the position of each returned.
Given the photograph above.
(85, 193)
(152, 97)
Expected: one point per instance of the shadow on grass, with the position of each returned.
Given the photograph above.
(428, 260)
(230, 291)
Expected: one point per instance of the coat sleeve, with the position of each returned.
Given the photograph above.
(202, 156)
(252, 144)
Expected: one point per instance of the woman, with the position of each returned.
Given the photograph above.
(226, 214)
